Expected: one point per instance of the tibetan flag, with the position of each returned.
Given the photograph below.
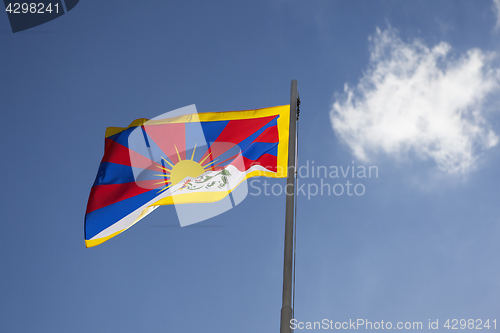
(184, 159)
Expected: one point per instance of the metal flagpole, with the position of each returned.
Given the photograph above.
(286, 308)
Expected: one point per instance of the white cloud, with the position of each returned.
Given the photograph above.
(419, 99)
(496, 8)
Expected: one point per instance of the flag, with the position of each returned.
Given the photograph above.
(190, 158)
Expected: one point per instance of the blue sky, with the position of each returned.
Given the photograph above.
(408, 87)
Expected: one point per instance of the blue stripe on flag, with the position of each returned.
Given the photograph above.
(257, 149)
(195, 136)
(245, 143)
(112, 173)
(104, 217)
(122, 137)
(213, 129)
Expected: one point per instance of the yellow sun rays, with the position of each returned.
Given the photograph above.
(182, 169)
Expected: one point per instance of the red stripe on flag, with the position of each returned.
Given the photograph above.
(269, 135)
(105, 195)
(240, 129)
(168, 137)
(268, 161)
(119, 154)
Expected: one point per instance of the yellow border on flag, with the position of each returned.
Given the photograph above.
(283, 130)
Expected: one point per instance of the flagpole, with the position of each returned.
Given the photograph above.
(286, 308)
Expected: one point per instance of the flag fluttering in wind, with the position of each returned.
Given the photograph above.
(189, 158)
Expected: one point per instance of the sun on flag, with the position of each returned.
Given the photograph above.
(183, 157)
